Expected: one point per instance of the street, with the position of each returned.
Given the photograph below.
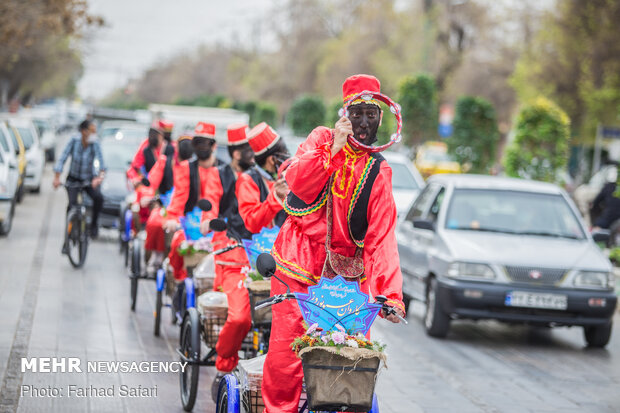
(50, 309)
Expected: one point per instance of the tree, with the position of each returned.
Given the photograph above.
(575, 60)
(306, 113)
(38, 50)
(475, 136)
(540, 147)
(418, 99)
(265, 112)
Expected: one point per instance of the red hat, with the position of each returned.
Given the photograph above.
(237, 134)
(205, 130)
(262, 137)
(357, 84)
(166, 125)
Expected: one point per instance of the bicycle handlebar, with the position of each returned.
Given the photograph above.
(278, 298)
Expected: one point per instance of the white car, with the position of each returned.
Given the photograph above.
(406, 180)
(35, 156)
(9, 178)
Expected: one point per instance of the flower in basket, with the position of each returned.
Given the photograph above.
(202, 245)
(340, 338)
(251, 275)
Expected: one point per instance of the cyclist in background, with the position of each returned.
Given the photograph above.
(83, 149)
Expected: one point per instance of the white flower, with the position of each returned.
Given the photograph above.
(338, 337)
(245, 270)
(352, 343)
(312, 329)
(341, 328)
(325, 339)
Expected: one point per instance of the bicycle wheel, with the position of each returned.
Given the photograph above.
(158, 307)
(228, 396)
(135, 271)
(74, 238)
(190, 348)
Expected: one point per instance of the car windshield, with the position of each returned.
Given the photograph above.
(436, 156)
(41, 125)
(513, 212)
(402, 177)
(26, 136)
(116, 155)
(130, 136)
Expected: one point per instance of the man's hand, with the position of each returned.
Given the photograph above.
(171, 225)
(393, 318)
(342, 130)
(280, 188)
(96, 182)
(56, 182)
(145, 201)
(137, 183)
(204, 227)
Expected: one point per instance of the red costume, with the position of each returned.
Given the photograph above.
(229, 278)
(154, 225)
(185, 196)
(299, 250)
(259, 206)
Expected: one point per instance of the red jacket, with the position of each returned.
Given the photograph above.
(180, 194)
(300, 247)
(214, 193)
(256, 214)
(133, 173)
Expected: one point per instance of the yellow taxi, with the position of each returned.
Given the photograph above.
(433, 158)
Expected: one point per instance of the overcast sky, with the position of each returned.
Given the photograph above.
(141, 32)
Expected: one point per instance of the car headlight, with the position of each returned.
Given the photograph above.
(594, 279)
(471, 270)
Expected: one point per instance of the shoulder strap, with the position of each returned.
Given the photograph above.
(149, 158)
(358, 210)
(194, 186)
(258, 180)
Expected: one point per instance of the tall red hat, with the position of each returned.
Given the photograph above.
(357, 84)
(166, 125)
(237, 134)
(205, 130)
(262, 137)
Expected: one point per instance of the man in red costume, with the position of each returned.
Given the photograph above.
(190, 179)
(363, 222)
(228, 266)
(161, 179)
(260, 191)
(145, 158)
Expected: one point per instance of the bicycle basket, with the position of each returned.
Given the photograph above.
(260, 290)
(340, 380)
(213, 306)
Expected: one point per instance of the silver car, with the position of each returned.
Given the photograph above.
(480, 247)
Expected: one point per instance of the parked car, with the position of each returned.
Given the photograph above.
(35, 157)
(406, 180)
(48, 137)
(480, 247)
(11, 143)
(432, 158)
(9, 182)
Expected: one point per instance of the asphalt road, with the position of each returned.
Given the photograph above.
(49, 309)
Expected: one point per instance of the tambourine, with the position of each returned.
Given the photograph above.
(394, 108)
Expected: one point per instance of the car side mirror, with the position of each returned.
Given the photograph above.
(601, 236)
(423, 224)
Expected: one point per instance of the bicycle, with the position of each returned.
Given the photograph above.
(76, 228)
(234, 398)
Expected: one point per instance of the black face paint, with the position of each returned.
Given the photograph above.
(185, 150)
(168, 136)
(365, 119)
(247, 159)
(204, 154)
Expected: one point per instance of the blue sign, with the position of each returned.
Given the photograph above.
(191, 224)
(445, 130)
(261, 242)
(336, 301)
(609, 132)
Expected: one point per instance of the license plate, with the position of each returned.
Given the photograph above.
(536, 300)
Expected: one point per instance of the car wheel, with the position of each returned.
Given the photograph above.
(436, 322)
(36, 190)
(20, 194)
(598, 336)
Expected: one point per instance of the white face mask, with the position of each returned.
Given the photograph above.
(92, 138)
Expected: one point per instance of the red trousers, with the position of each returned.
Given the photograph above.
(282, 373)
(239, 318)
(155, 232)
(176, 260)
